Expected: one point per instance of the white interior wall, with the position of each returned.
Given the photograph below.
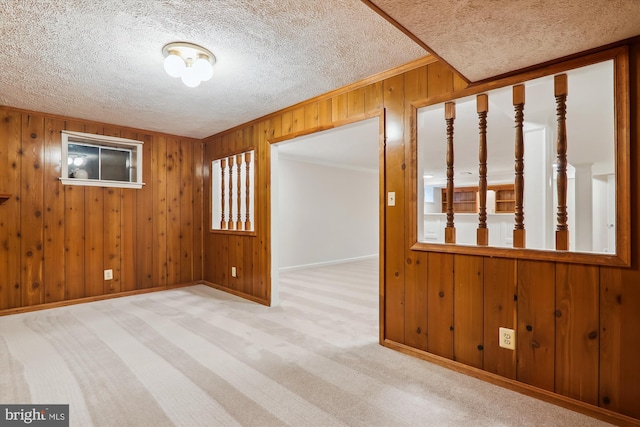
(599, 227)
(326, 214)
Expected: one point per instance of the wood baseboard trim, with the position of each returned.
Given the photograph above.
(526, 389)
(48, 305)
(236, 293)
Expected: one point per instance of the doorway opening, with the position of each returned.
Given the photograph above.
(325, 212)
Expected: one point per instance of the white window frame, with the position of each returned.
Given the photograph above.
(102, 141)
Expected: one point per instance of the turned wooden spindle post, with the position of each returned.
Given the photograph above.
(561, 89)
(519, 232)
(450, 115)
(223, 222)
(231, 223)
(247, 219)
(238, 218)
(482, 106)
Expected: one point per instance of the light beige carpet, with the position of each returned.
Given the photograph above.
(199, 357)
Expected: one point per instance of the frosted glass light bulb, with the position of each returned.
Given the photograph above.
(203, 69)
(174, 65)
(190, 78)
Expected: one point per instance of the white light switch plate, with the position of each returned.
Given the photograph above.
(391, 198)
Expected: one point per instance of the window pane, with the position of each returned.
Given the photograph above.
(83, 161)
(115, 165)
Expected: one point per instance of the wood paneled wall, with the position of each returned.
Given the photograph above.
(577, 326)
(56, 240)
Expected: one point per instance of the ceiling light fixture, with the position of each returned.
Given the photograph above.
(192, 63)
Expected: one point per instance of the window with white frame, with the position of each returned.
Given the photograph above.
(100, 160)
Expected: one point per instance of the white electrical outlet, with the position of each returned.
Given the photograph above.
(108, 275)
(508, 338)
(233, 272)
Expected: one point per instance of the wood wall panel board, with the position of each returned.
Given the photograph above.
(144, 240)
(468, 307)
(259, 245)
(500, 310)
(94, 128)
(173, 210)
(355, 102)
(298, 120)
(208, 238)
(215, 255)
(10, 166)
(440, 304)
(248, 273)
(620, 290)
(201, 211)
(128, 253)
(94, 241)
(416, 268)
(416, 301)
(311, 116)
(74, 237)
(287, 123)
(339, 107)
(272, 128)
(439, 79)
(220, 266)
(112, 250)
(535, 334)
(620, 340)
(235, 261)
(262, 286)
(458, 82)
(325, 114)
(75, 126)
(74, 232)
(415, 88)
(32, 209)
(239, 144)
(186, 211)
(127, 226)
(159, 170)
(251, 140)
(394, 291)
(417, 83)
(577, 332)
(373, 96)
(94, 232)
(54, 219)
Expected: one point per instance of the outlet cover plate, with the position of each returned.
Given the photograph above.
(507, 338)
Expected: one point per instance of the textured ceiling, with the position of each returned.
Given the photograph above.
(483, 39)
(102, 61)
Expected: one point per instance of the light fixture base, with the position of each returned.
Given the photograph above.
(188, 51)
